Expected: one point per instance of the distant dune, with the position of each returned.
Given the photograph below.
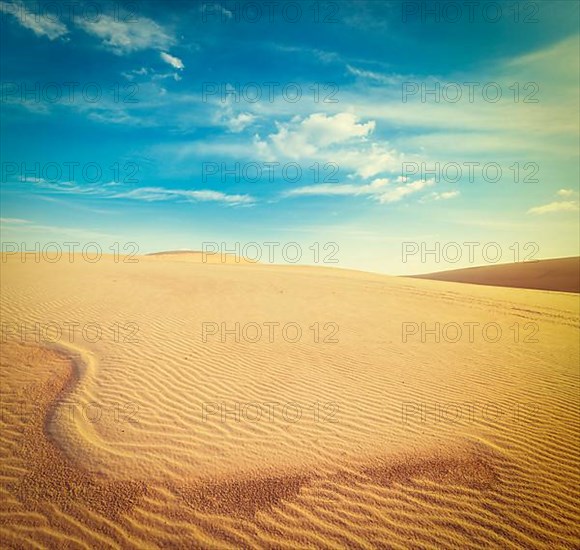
(199, 257)
(561, 274)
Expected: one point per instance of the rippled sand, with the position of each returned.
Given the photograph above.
(148, 436)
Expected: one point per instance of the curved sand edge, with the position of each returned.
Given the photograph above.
(52, 480)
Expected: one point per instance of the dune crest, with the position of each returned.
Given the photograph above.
(198, 256)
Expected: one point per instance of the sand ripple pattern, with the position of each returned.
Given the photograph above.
(153, 472)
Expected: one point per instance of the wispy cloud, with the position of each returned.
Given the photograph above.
(380, 189)
(553, 207)
(566, 193)
(559, 206)
(41, 25)
(11, 221)
(123, 37)
(375, 76)
(153, 194)
(110, 190)
(12, 226)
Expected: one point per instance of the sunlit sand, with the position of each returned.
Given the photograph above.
(149, 435)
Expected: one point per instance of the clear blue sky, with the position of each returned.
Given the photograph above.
(187, 154)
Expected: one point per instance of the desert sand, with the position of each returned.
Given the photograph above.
(561, 274)
(147, 435)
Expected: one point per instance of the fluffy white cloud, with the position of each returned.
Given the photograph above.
(172, 60)
(339, 139)
(302, 138)
(40, 24)
(122, 37)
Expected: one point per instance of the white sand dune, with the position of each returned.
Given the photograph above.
(353, 471)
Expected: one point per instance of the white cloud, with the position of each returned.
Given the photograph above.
(376, 189)
(443, 196)
(321, 55)
(149, 194)
(392, 79)
(13, 221)
(339, 139)
(152, 194)
(562, 206)
(566, 193)
(398, 193)
(227, 116)
(369, 159)
(175, 62)
(40, 24)
(345, 189)
(130, 75)
(318, 131)
(122, 37)
(303, 138)
(239, 122)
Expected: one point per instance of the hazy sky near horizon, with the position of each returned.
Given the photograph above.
(368, 124)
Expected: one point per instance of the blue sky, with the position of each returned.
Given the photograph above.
(180, 140)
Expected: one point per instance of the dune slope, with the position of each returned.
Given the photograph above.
(560, 274)
(150, 420)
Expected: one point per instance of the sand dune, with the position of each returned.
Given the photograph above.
(560, 274)
(199, 257)
(149, 435)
